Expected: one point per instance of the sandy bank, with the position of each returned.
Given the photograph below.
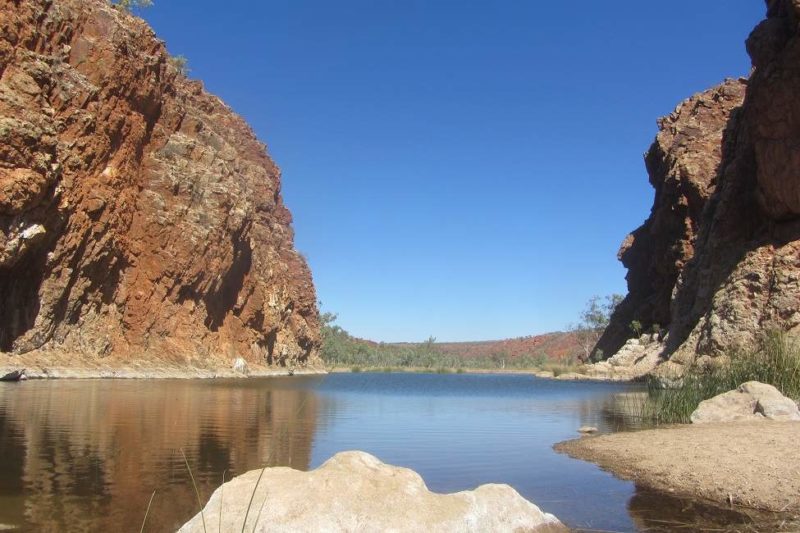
(544, 374)
(63, 368)
(754, 465)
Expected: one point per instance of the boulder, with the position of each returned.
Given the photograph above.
(751, 401)
(16, 375)
(354, 491)
(240, 366)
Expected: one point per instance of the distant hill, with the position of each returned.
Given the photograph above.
(556, 346)
(339, 348)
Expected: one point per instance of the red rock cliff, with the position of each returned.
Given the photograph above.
(718, 261)
(140, 218)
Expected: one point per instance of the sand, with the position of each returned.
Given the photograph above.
(749, 465)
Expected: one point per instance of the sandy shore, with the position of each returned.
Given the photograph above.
(544, 374)
(143, 370)
(750, 465)
(154, 373)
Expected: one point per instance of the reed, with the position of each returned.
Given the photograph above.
(196, 492)
(147, 512)
(221, 495)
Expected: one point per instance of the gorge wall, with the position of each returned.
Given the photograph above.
(718, 260)
(140, 218)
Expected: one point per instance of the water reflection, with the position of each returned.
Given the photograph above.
(658, 512)
(86, 455)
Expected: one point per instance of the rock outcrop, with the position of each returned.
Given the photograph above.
(718, 261)
(751, 401)
(354, 491)
(636, 359)
(140, 218)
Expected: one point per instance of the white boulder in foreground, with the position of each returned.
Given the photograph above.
(751, 401)
(354, 491)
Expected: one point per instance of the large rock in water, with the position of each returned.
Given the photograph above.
(718, 261)
(140, 218)
(751, 401)
(354, 491)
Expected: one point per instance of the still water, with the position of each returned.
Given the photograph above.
(86, 455)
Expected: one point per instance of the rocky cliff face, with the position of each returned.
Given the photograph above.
(718, 261)
(140, 218)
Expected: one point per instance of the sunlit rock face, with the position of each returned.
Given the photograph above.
(718, 261)
(140, 218)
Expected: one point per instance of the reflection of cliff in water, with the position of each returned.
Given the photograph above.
(86, 455)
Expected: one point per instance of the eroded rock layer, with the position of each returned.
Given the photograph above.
(140, 218)
(718, 261)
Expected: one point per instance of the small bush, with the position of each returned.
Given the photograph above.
(127, 5)
(355, 369)
(180, 63)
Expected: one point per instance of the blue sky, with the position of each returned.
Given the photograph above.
(462, 169)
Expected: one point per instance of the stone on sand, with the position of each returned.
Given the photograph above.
(751, 401)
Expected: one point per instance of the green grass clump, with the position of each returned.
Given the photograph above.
(775, 361)
(355, 369)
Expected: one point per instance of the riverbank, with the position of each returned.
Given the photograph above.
(56, 368)
(743, 465)
(566, 373)
(114, 369)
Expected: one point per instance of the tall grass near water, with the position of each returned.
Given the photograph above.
(775, 361)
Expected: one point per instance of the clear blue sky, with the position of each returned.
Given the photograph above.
(459, 169)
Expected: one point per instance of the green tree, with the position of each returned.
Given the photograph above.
(593, 320)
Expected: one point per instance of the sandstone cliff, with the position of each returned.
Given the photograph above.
(140, 218)
(718, 261)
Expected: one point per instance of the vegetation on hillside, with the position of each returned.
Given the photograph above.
(340, 349)
(775, 361)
